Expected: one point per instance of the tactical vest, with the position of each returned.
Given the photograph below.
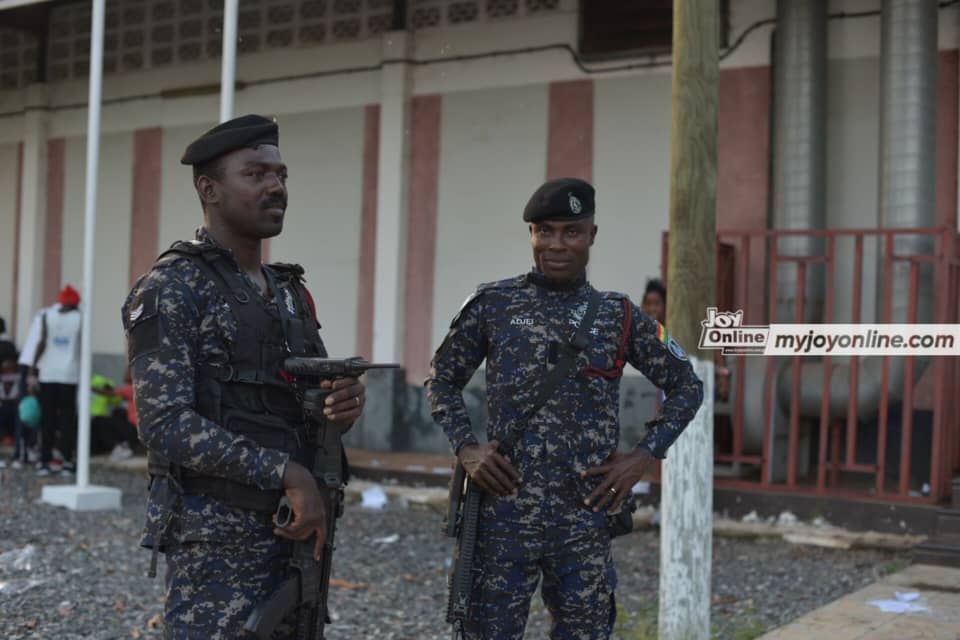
(248, 394)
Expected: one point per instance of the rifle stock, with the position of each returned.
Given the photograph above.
(268, 614)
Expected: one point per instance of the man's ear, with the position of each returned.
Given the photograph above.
(207, 189)
(530, 226)
(593, 234)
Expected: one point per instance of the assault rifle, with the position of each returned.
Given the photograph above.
(307, 589)
(463, 517)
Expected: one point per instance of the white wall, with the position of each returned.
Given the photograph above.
(71, 248)
(8, 215)
(180, 211)
(324, 152)
(631, 172)
(112, 238)
(492, 157)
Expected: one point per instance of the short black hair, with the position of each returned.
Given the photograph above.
(655, 285)
(213, 169)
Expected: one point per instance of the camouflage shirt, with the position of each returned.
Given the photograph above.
(517, 325)
(195, 327)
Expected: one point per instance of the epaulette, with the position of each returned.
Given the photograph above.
(288, 269)
(517, 282)
(509, 283)
(192, 248)
(614, 295)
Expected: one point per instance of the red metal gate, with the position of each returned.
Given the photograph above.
(838, 472)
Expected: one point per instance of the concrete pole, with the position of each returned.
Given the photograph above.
(84, 496)
(228, 68)
(390, 271)
(686, 532)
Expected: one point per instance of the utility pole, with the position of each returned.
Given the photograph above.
(686, 532)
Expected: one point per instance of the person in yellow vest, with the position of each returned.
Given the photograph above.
(110, 432)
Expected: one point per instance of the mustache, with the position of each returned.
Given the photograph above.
(273, 203)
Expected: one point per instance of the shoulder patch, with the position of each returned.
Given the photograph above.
(143, 324)
(676, 350)
(663, 337)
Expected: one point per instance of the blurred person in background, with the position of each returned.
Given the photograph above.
(58, 364)
(110, 430)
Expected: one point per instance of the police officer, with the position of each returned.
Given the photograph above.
(208, 328)
(551, 479)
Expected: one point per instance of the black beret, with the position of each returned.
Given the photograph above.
(560, 199)
(245, 131)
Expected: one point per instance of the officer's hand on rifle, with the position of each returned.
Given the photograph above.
(309, 509)
(345, 404)
(492, 471)
(620, 472)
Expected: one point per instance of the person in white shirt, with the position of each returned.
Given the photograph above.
(58, 361)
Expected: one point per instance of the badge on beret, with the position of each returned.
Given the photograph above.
(560, 199)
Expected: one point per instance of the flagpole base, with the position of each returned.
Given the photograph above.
(76, 498)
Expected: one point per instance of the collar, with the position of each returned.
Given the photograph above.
(537, 278)
(204, 236)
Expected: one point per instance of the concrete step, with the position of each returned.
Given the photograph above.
(943, 547)
(948, 526)
(935, 553)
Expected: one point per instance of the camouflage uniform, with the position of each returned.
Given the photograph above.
(221, 560)
(517, 325)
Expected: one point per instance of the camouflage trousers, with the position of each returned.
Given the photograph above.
(578, 583)
(212, 587)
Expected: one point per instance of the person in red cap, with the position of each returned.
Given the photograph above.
(58, 362)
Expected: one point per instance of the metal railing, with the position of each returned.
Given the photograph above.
(843, 463)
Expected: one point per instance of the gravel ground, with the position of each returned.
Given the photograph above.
(87, 577)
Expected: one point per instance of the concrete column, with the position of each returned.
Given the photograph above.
(33, 212)
(396, 87)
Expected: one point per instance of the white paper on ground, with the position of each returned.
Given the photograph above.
(374, 498)
(387, 539)
(904, 603)
(907, 597)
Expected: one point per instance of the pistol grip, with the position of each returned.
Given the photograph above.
(314, 400)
